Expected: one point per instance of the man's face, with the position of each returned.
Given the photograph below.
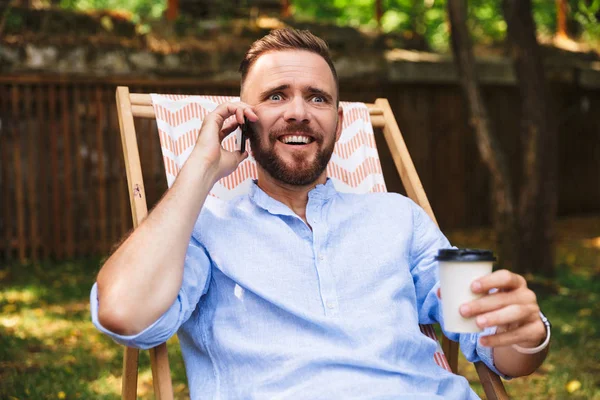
(294, 94)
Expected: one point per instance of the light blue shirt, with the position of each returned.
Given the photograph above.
(270, 309)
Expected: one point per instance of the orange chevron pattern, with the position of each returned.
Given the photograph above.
(171, 166)
(180, 145)
(355, 114)
(361, 138)
(185, 113)
(174, 110)
(440, 358)
(369, 166)
(246, 170)
(378, 188)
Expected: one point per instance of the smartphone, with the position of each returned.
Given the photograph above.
(244, 128)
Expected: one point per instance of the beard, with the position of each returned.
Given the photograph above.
(301, 172)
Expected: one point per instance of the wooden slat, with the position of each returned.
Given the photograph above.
(160, 86)
(134, 174)
(158, 356)
(102, 243)
(378, 121)
(112, 184)
(117, 190)
(450, 349)
(69, 221)
(56, 216)
(32, 194)
(44, 177)
(80, 200)
(123, 195)
(91, 189)
(492, 384)
(143, 112)
(140, 99)
(402, 159)
(161, 373)
(130, 374)
(5, 193)
(18, 171)
(141, 107)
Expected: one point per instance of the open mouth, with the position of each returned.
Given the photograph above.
(296, 140)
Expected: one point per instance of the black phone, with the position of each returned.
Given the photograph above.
(244, 128)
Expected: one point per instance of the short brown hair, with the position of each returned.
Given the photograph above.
(287, 39)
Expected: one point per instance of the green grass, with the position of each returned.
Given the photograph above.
(50, 350)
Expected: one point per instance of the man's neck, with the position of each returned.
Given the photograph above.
(293, 196)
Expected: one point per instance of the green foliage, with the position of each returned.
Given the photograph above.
(14, 21)
(141, 10)
(427, 18)
(486, 21)
(544, 15)
(588, 17)
(411, 19)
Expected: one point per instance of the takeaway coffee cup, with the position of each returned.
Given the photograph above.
(458, 269)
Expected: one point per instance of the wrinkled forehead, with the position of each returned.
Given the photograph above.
(291, 67)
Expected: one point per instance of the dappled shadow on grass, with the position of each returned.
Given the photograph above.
(48, 346)
(44, 357)
(50, 349)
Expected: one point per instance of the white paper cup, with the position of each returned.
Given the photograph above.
(458, 269)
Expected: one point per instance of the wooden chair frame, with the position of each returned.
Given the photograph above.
(130, 105)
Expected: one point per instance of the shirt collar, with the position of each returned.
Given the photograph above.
(263, 200)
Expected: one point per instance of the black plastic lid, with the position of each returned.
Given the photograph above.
(465, 255)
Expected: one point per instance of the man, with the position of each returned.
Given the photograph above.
(296, 291)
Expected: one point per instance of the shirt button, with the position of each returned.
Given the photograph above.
(321, 257)
(330, 305)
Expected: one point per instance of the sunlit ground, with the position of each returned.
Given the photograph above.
(50, 350)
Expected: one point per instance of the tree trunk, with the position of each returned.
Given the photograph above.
(503, 200)
(378, 12)
(172, 10)
(286, 8)
(537, 197)
(561, 19)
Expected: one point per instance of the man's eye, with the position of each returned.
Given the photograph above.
(318, 99)
(275, 97)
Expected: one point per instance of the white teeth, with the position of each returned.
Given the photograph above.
(296, 139)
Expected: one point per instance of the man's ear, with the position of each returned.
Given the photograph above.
(340, 123)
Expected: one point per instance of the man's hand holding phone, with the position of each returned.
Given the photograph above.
(214, 130)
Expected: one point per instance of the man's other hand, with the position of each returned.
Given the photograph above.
(512, 307)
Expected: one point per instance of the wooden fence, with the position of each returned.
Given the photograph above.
(63, 185)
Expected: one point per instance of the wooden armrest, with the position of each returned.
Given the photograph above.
(492, 384)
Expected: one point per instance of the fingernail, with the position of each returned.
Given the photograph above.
(465, 310)
(476, 286)
(481, 321)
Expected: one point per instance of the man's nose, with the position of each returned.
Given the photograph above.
(296, 111)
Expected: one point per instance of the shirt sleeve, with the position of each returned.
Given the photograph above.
(196, 279)
(427, 240)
